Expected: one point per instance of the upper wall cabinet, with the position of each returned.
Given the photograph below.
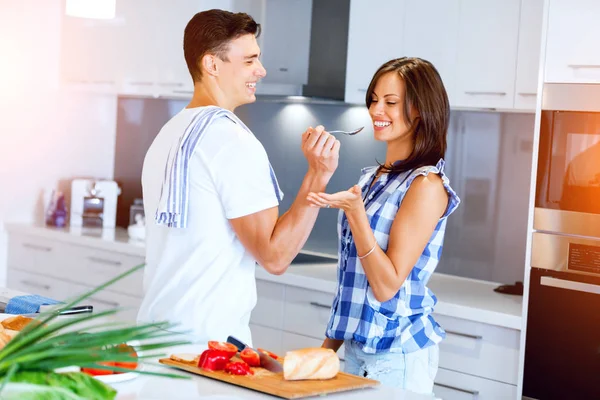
(435, 37)
(89, 53)
(528, 55)
(573, 38)
(374, 37)
(487, 53)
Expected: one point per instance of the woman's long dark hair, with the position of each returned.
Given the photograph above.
(426, 93)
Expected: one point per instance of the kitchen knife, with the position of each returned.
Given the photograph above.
(68, 311)
(267, 362)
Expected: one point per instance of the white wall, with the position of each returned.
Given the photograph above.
(47, 133)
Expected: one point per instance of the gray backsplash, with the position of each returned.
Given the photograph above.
(488, 163)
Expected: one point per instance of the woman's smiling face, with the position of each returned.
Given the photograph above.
(387, 109)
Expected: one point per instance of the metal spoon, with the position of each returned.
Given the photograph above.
(349, 133)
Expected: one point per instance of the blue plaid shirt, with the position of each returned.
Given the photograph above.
(404, 323)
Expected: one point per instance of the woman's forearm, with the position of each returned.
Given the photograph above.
(383, 276)
(333, 344)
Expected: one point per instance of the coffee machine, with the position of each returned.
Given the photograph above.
(94, 203)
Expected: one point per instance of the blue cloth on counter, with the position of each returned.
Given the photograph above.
(27, 304)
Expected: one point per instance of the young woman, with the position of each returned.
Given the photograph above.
(391, 228)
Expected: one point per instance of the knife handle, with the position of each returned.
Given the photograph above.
(237, 343)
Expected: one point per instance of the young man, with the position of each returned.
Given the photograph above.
(210, 194)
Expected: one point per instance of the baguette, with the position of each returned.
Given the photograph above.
(310, 363)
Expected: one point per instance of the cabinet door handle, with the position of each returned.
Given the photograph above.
(35, 285)
(469, 391)
(527, 94)
(575, 66)
(476, 337)
(104, 82)
(104, 261)
(37, 247)
(315, 304)
(141, 83)
(570, 285)
(482, 93)
(170, 84)
(113, 304)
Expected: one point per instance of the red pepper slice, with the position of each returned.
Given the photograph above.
(238, 368)
(213, 360)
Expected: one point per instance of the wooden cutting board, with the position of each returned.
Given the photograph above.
(274, 384)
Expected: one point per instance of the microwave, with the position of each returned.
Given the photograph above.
(567, 198)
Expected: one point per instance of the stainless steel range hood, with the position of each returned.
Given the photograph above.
(328, 50)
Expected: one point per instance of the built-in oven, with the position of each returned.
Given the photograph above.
(562, 349)
(562, 343)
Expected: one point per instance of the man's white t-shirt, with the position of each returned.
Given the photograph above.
(201, 277)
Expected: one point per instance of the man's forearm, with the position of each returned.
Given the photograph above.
(294, 226)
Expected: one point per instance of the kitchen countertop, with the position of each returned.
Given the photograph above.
(458, 297)
(198, 387)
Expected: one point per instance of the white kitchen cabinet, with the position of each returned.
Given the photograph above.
(267, 338)
(479, 349)
(269, 309)
(307, 311)
(452, 385)
(28, 282)
(487, 53)
(151, 48)
(60, 290)
(286, 42)
(374, 37)
(573, 35)
(89, 54)
(528, 55)
(431, 33)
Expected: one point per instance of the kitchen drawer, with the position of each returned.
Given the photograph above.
(291, 341)
(36, 254)
(269, 304)
(452, 385)
(105, 300)
(94, 267)
(307, 312)
(479, 349)
(74, 263)
(63, 291)
(37, 284)
(267, 338)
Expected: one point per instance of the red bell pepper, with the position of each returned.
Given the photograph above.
(238, 368)
(213, 360)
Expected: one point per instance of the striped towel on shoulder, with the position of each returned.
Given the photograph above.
(173, 204)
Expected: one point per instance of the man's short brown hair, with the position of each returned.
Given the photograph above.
(210, 32)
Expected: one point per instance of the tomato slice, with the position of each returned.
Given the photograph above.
(227, 348)
(123, 348)
(251, 357)
(98, 371)
(267, 352)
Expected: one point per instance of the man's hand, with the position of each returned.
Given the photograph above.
(321, 150)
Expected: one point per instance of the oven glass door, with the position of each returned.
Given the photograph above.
(569, 162)
(562, 350)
